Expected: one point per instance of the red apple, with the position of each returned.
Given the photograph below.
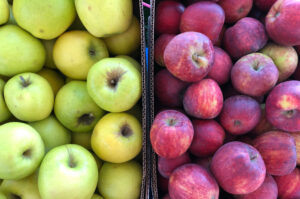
(193, 182)
(171, 134)
(204, 162)
(162, 183)
(283, 106)
(159, 47)
(235, 10)
(190, 2)
(205, 17)
(264, 5)
(289, 185)
(264, 125)
(208, 137)
(254, 69)
(278, 150)
(189, 56)
(296, 137)
(238, 168)
(240, 114)
(246, 36)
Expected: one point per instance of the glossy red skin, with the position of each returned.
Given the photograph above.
(220, 38)
(240, 114)
(289, 185)
(264, 5)
(205, 17)
(246, 36)
(296, 74)
(204, 162)
(264, 125)
(167, 18)
(162, 183)
(283, 98)
(283, 22)
(247, 80)
(235, 10)
(278, 150)
(168, 89)
(268, 190)
(179, 52)
(220, 70)
(171, 141)
(167, 166)
(208, 137)
(234, 170)
(159, 47)
(193, 182)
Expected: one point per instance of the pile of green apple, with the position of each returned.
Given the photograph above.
(70, 126)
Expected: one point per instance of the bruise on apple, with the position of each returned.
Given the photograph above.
(86, 119)
(113, 77)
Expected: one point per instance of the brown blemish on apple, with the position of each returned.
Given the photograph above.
(25, 83)
(27, 153)
(41, 30)
(86, 119)
(126, 131)
(114, 76)
(89, 8)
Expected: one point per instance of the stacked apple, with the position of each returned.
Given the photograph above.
(68, 112)
(228, 101)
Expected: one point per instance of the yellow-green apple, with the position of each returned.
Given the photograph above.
(135, 63)
(296, 136)
(117, 137)
(82, 139)
(29, 97)
(75, 109)
(289, 185)
(171, 134)
(192, 181)
(159, 47)
(4, 113)
(44, 19)
(120, 181)
(126, 42)
(235, 10)
(52, 132)
(49, 44)
(278, 150)
(203, 99)
(104, 18)
(114, 84)
(263, 125)
(74, 53)
(21, 150)
(19, 51)
(189, 56)
(72, 172)
(96, 196)
(238, 168)
(4, 15)
(55, 79)
(240, 114)
(264, 5)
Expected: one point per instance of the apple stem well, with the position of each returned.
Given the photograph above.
(25, 83)
(200, 59)
(171, 122)
(126, 130)
(27, 153)
(86, 119)
(113, 77)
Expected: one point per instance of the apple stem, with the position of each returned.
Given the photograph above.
(25, 83)
(200, 60)
(72, 162)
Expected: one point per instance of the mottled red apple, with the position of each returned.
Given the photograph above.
(289, 185)
(159, 47)
(264, 5)
(235, 10)
(296, 137)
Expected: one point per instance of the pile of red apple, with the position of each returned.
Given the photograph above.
(228, 101)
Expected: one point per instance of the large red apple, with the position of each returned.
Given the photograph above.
(296, 137)
(171, 134)
(289, 185)
(235, 10)
(264, 5)
(192, 181)
(159, 47)
(264, 125)
(205, 17)
(238, 168)
(189, 56)
(278, 150)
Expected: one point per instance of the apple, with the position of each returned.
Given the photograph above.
(263, 125)
(189, 56)
(21, 150)
(75, 109)
(246, 36)
(135, 63)
(264, 5)
(289, 185)
(204, 17)
(171, 134)
(4, 114)
(235, 10)
(278, 150)
(29, 97)
(238, 168)
(49, 44)
(4, 16)
(159, 47)
(296, 136)
(208, 137)
(114, 84)
(75, 52)
(240, 114)
(120, 181)
(54, 78)
(83, 139)
(192, 181)
(254, 69)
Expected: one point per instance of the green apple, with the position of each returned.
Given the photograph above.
(120, 181)
(29, 97)
(52, 132)
(117, 137)
(104, 18)
(19, 51)
(114, 84)
(49, 44)
(127, 42)
(55, 79)
(44, 19)
(68, 172)
(4, 112)
(95, 196)
(21, 150)
(4, 14)
(2, 196)
(82, 139)
(75, 109)
(76, 51)
(135, 63)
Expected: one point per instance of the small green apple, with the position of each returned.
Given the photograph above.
(19, 51)
(4, 14)
(68, 172)
(82, 139)
(52, 132)
(114, 84)
(135, 63)
(117, 137)
(29, 97)
(76, 51)
(55, 79)
(95, 196)
(49, 44)
(21, 150)
(75, 109)
(4, 112)
(120, 181)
